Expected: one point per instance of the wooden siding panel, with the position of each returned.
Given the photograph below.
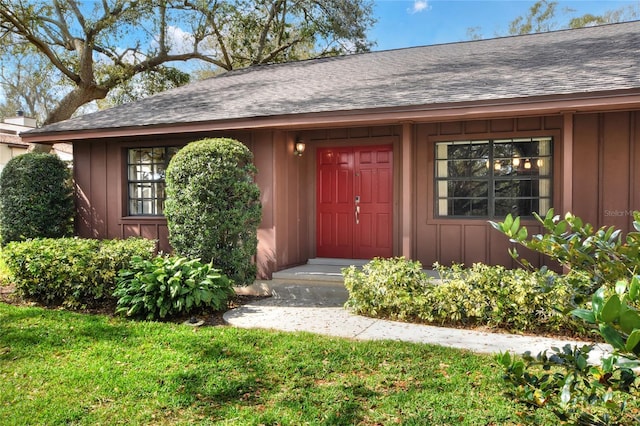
(114, 190)
(504, 125)
(383, 131)
(616, 173)
(163, 238)
(478, 126)
(475, 244)
(427, 245)
(450, 244)
(99, 200)
(82, 179)
(149, 231)
(262, 148)
(337, 134)
(529, 123)
(131, 230)
(635, 158)
(553, 122)
(451, 128)
(359, 132)
(499, 250)
(585, 168)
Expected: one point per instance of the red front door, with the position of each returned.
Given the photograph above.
(354, 202)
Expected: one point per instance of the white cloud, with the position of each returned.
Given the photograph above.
(179, 41)
(419, 6)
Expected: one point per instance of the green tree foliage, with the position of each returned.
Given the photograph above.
(144, 84)
(538, 20)
(544, 16)
(36, 198)
(96, 47)
(28, 82)
(213, 206)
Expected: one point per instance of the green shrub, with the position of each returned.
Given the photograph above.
(393, 288)
(213, 206)
(510, 299)
(167, 286)
(515, 300)
(36, 198)
(562, 381)
(608, 393)
(72, 272)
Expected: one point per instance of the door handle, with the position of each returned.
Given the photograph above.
(357, 215)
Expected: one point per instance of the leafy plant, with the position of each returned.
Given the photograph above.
(511, 299)
(72, 272)
(213, 206)
(516, 300)
(167, 286)
(602, 253)
(393, 288)
(576, 392)
(36, 198)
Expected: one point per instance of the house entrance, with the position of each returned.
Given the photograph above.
(354, 202)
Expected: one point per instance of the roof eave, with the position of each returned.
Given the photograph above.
(531, 106)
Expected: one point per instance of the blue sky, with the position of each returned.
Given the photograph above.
(405, 23)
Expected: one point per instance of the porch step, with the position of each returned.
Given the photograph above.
(319, 277)
(311, 273)
(337, 262)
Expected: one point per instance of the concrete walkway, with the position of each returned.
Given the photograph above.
(319, 309)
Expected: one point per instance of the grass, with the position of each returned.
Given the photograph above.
(58, 367)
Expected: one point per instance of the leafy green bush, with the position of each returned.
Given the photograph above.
(602, 253)
(563, 382)
(576, 393)
(167, 286)
(393, 288)
(72, 272)
(510, 299)
(213, 206)
(494, 296)
(36, 198)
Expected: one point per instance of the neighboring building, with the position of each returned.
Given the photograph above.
(407, 152)
(11, 143)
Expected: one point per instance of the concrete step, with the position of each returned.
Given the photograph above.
(337, 262)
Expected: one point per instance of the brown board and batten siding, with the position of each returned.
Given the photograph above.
(101, 187)
(606, 173)
(460, 240)
(605, 184)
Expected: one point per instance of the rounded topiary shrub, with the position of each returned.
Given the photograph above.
(36, 198)
(213, 206)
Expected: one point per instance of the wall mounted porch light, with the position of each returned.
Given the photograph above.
(298, 147)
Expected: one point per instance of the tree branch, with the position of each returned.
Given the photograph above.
(21, 30)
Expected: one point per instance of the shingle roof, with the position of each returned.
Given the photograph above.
(586, 60)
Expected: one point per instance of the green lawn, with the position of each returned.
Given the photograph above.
(58, 367)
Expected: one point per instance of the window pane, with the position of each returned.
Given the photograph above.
(493, 178)
(146, 173)
(516, 188)
(468, 207)
(517, 207)
(468, 189)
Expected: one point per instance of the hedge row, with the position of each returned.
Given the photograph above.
(493, 296)
(71, 272)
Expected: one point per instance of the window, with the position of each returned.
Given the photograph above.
(146, 169)
(490, 178)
